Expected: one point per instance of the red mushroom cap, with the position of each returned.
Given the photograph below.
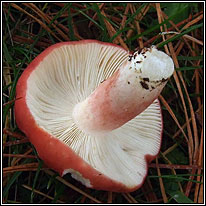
(48, 90)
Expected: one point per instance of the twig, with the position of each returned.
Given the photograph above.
(18, 159)
(21, 39)
(131, 198)
(95, 15)
(194, 21)
(25, 167)
(162, 188)
(109, 199)
(42, 15)
(173, 115)
(10, 102)
(40, 193)
(185, 36)
(184, 125)
(190, 140)
(140, 40)
(126, 197)
(36, 19)
(13, 134)
(172, 166)
(112, 32)
(124, 18)
(72, 186)
(149, 191)
(160, 19)
(10, 143)
(199, 171)
(19, 155)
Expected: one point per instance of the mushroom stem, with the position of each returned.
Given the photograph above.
(127, 93)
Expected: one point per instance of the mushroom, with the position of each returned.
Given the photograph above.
(91, 109)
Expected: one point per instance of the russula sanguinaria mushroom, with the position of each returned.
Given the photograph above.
(90, 109)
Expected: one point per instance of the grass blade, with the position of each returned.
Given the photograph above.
(180, 35)
(35, 180)
(179, 197)
(10, 183)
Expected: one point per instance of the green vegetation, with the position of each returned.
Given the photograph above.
(177, 174)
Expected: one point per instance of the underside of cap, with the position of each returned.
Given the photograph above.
(65, 77)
